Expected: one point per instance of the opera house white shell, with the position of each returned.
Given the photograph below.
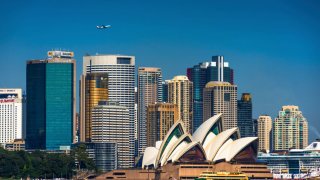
(208, 144)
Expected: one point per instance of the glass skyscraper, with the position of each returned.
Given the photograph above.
(51, 102)
(245, 122)
(200, 75)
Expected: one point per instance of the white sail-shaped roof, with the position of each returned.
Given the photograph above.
(204, 129)
(180, 144)
(149, 156)
(232, 148)
(188, 148)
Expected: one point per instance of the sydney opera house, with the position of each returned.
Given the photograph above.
(184, 156)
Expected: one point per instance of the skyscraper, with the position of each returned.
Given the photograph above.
(160, 118)
(180, 91)
(221, 97)
(11, 118)
(265, 133)
(200, 75)
(111, 123)
(165, 91)
(95, 89)
(51, 102)
(121, 84)
(245, 122)
(149, 92)
(290, 129)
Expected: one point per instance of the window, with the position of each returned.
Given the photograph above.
(123, 60)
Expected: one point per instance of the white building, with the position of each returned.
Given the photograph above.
(265, 132)
(121, 84)
(11, 126)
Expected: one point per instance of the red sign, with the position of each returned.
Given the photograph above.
(6, 100)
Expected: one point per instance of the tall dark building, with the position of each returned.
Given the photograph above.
(200, 75)
(51, 102)
(245, 122)
(165, 91)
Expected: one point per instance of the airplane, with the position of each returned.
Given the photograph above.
(103, 26)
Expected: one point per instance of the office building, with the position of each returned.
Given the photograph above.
(95, 90)
(165, 91)
(51, 110)
(160, 118)
(265, 133)
(290, 129)
(111, 123)
(11, 118)
(121, 84)
(215, 70)
(221, 97)
(245, 123)
(149, 92)
(15, 145)
(180, 91)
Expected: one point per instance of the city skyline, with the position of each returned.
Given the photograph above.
(278, 49)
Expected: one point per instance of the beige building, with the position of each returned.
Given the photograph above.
(160, 118)
(290, 129)
(180, 92)
(221, 97)
(264, 133)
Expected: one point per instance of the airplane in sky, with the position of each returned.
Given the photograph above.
(103, 26)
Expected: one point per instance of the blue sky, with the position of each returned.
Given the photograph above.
(273, 46)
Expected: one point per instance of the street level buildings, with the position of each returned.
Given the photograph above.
(221, 97)
(11, 115)
(149, 92)
(180, 92)
(265, 133)
(160, 118)
(51, 110)
(215, 70)
(111, 123)
(290, 129)
(121, 85)
(245, 123)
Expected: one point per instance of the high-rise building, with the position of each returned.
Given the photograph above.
(111, 123)
(180, 91)
(11, 118)
(290, 129)
(165, 91)
(51, 106)
(221, 97)
(160, 118)
(265, 133)
(121, 84)
(95, 89)
(215, 70)
(245, 123)
(149, 92)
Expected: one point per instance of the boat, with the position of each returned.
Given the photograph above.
(208, 175)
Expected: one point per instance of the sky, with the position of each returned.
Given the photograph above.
(273, 46)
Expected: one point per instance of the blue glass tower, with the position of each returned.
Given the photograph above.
(51, 102)
(200, 75)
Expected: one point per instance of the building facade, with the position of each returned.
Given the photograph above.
(221, 97)
(11, 115)
(121, 84)
(51, 106)
(180, 92)
(245, 123)
(149, 92)
(111, 123)
(265, 133)
(215, 70)
(160, 118)
(290, 129)
(95, 90)
(165, 91)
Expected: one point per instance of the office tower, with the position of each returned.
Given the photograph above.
(255, 127)
(149, 92)
(160, 118)
(265, 133)
(180, 91)
(111, 123)
(221, 97)
(245, 123)
(215, 70)
(11, 124)
(136, 145)
(121, 84)
(290, 129)
(165, 91)
(95, 89)
(51, 101)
